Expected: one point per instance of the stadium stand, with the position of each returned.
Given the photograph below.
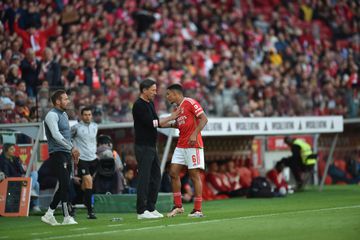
(241, 58)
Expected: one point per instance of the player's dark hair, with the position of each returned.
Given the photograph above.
(85, 109)
(146, 84)
(176, 87)
(57, 95)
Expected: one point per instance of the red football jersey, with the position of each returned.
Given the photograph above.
(187, 121)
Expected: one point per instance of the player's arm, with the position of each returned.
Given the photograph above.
(202, 122)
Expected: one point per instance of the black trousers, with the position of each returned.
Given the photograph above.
(149, 178)
(60, 166)
(297, 168)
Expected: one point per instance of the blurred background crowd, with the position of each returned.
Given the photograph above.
(238, 58)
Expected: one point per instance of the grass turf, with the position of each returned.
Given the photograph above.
(331, 214)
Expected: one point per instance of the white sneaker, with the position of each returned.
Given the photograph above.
(49, 219)
(69, 221)
(36, 209)
(146, 215)
(157, 214)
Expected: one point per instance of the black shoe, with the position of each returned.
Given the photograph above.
(72, 210)
(299, 187)
(91, 216)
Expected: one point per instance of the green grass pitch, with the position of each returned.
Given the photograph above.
(333, 213)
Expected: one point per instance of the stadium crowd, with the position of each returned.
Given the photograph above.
(236, 57)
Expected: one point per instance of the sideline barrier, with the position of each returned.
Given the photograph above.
(15, 196)
(126, 203)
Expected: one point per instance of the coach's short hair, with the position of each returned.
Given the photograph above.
(146, 84)
(57, 95)
(176, 87)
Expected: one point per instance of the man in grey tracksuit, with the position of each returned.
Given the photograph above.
(61, 150)
(84, 138)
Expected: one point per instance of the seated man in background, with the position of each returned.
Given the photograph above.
(131, 181)
(116, 183)
(277, 180)
(301, 162)
(11, 166)
(218, 182)
(353, 166)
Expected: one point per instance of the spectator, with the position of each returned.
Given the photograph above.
(12, 166)
(5, 98)
(50, 70)
(93, 77)
(340, 174)
(216, 181)
(314, 53)
(30, 68)
(131, 182)
(354, 166)
(36, 39)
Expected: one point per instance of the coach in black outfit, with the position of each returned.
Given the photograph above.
(146, 122)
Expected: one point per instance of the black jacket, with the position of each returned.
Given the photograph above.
(11, 167)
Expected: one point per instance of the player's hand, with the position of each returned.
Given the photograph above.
(75, 155)
(192, 140)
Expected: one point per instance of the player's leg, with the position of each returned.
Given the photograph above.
(196, 180)
(195, 165)
(177, 163)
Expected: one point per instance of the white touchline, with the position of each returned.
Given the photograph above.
(115, 225)
(202, 222)
(40, 233)
(79, 229)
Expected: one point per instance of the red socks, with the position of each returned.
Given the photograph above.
(177, 199)
(197, 203)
